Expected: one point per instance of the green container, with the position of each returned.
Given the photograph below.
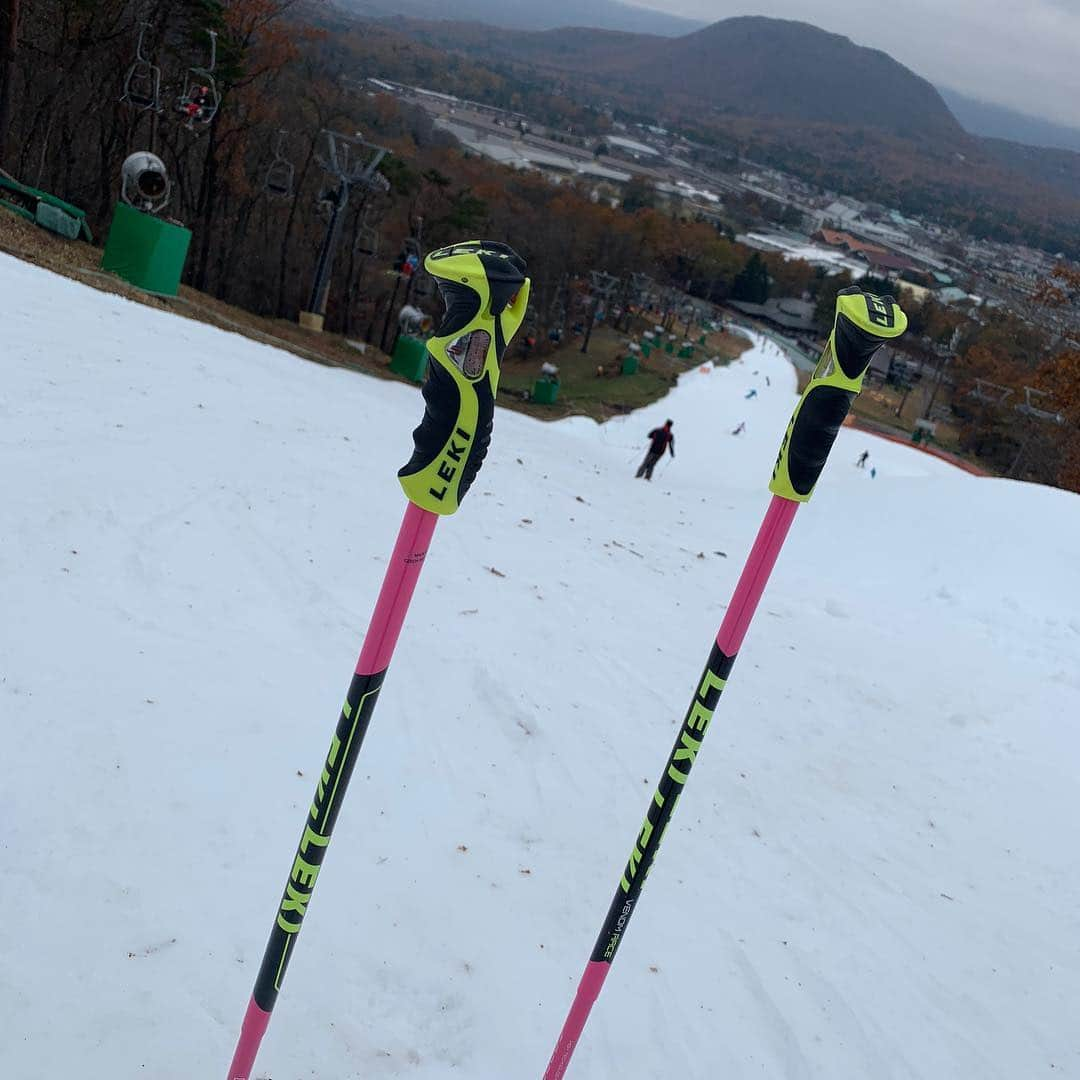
(668, 347)
(545, 391)
(646, 348)
(701, 340)
(410, 358)
(686, 352)
(146, 251)
(630, 365)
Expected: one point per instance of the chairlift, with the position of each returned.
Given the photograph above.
(281, 176)
(423, 286)
(142, 84)
(989, 393)
(1029, 408)
(367, 234)
(201, 98)
(326, 202)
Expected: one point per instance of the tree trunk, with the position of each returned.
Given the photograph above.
(9, 48)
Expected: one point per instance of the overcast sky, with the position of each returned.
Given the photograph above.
(1024, 54)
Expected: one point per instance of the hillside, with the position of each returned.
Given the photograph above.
(816, 104)
(792, 70)
(999, 122)
(748, 66)
(873, 864)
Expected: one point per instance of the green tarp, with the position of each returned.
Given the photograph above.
(44, 209)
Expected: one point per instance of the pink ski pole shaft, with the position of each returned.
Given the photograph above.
(486, 292)
(862, 324)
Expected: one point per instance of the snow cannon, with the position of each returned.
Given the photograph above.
(145, 183)
(863, 323)
(486, 292)
(142, 248)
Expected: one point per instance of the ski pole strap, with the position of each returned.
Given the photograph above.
(486, 292)
(863, 323)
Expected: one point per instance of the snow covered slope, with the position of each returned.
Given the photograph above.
(874, 871)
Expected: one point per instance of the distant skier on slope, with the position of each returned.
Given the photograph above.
(662, 439)
(740, 429)
(863, 457)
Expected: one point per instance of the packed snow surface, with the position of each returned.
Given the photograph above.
(874, 871)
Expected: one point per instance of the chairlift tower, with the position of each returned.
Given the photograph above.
(1035, 414)
(352, 162)
(410, 265)
(603, 285)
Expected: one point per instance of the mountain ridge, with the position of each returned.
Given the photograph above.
(518, 15)
(990, 121)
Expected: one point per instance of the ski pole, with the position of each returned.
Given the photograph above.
(861, 325)
(484, 288)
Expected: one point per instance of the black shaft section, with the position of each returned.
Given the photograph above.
(329, 795)
(664, 800)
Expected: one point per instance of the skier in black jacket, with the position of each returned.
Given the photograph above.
(662, 439)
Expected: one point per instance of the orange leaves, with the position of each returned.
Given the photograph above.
(1060, 288)
(1061, 378)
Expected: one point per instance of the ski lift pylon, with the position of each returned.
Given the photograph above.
(142, 84)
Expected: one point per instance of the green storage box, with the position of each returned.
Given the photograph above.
(410, 358)
(545, 391)
(646, 348)
(630, 365)
(701, 340)
(686, 352)
(145, 251)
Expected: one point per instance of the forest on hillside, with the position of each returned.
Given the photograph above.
(287, 71)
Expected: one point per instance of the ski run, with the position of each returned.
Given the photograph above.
(875, 872)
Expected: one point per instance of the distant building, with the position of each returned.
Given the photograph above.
(630, 146)
(952, 295)
(919, 293)
(836, 238)
(786, 312)
(885, 263)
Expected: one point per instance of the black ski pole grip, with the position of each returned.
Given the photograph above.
(486, 292)
(863, 323)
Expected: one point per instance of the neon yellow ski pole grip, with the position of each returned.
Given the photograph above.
(863, 323)
(486, 292)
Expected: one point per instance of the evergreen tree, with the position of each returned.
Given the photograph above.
(751, 284)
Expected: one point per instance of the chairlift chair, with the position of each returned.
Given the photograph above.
(281, 176)
(142, 84)
(201, 97)
(423, 286)
(367, 235)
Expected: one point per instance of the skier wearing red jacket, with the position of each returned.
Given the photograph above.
(661, 439)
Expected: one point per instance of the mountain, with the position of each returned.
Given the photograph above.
(520, 15)
(746, 66)
(998, 122)
(1058, 169)
(791, 70)
(787, 94)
